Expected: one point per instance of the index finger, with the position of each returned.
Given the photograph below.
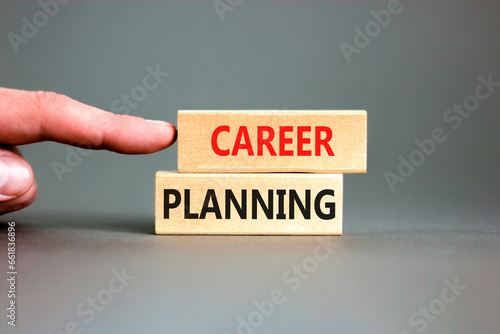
(29, 117)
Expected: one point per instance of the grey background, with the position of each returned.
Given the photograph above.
(398, 247)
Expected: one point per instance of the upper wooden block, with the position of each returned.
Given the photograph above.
(253, 141)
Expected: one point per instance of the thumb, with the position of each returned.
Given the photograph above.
(17, 184)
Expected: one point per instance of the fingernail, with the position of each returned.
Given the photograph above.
(162, 123)
(15, 178)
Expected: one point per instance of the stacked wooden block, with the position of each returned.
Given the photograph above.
(260, 172)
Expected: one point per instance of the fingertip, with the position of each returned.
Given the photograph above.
(159, 136)
(157, 122)
(172, 134)
(165, 134)
(16, 177)
(135, 135)
(21, 202)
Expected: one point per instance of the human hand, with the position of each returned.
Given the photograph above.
(30, 117)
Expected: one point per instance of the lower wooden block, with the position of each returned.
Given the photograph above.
(308, 204)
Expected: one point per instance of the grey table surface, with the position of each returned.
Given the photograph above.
(378, 277)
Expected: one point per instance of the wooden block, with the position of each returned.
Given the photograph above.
(226, 141)
(309, 204)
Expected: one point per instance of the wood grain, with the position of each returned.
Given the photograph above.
(210, 195)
